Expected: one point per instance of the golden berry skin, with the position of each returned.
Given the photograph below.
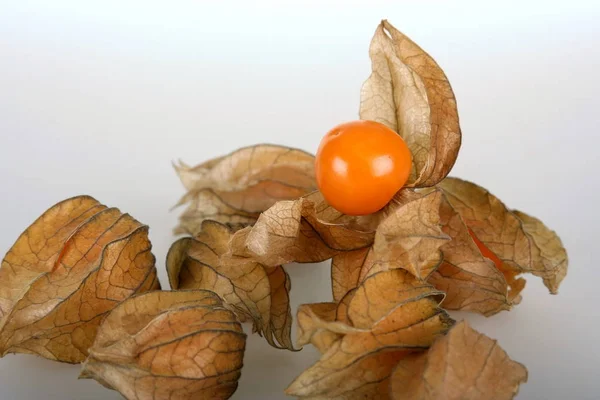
(360, 165)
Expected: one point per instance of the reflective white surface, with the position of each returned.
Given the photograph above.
(100, 97)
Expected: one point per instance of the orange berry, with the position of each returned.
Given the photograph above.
(360, 165)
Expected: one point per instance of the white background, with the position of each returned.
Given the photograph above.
(100, 97)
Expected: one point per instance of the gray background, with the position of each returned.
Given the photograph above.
(100, 97)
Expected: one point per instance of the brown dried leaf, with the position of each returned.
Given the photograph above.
(250, 289)
(382, 292)
(408, 237)
(522, 243)
(464, 364)
(341, 313)
(206, 205)
(346, 268)
(303, 230)
(72, 266)
(244, 267)
(547, 250)
(471, 281)
(411, 237)
(355, 364)
(410, 93)
(169, 345)
(280, 323)
(317, 325)
(237, 187)
(329, 215)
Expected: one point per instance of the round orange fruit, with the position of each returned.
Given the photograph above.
(360, 165)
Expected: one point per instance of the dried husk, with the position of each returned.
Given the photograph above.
(428, 237)
(244, 267)
(237, 187)
(471, 281)
(409, 237)
(409, 92)
(521, 242)
(463, 365)
(252, 290)
(390, 315)
(72, 266)
(304, 230)
(319, 325)
(346, 268)
(175, 345)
